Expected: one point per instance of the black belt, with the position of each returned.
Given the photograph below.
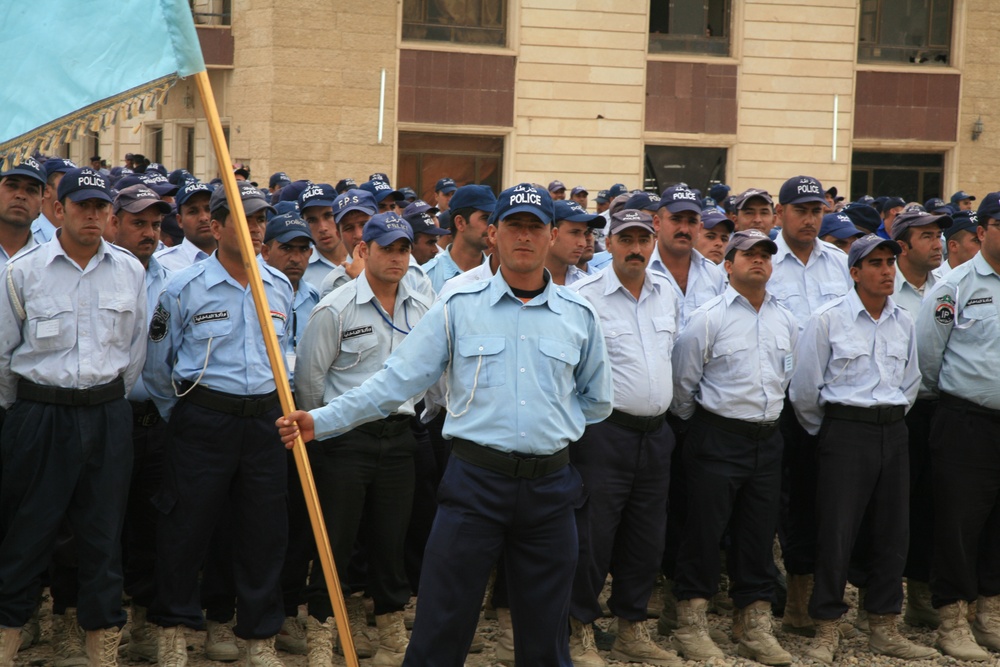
(880, 414)
(956, 403)
(633, 423)
(231, 404)
(102, 393)
(513, 465)
(386, 428)
(144, 413)
(752, 430)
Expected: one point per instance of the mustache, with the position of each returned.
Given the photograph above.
(682, 235)
(629, 258)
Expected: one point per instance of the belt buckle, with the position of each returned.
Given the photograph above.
(149, 419)
(529, 466)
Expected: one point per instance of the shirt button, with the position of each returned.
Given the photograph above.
(523, 402)
(522, 370)
(480, 348)
(562, 354)
(522, 434)
(522, 337)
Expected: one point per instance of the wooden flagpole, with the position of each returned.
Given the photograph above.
(276, 358)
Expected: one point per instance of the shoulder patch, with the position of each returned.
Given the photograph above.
(210, 317)
(945, 298)
(158, 325)
(358, 331)
(944, 312)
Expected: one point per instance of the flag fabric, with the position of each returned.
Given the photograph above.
(78, 65)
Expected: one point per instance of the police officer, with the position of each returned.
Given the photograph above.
(471, 205)
(962, 241)
(444, 189)
(21, 191)
(527, 370)
(732, 363)
(138, 212)
(45, 225)
(316, 208)
(209, 375)
(194, 217)
(570, 230)
(716, 229)
(856, 376)
(625, 460)
(955, 319)
(753, 209)
(918, 233)
(369, 469)
(71, 330)
(426, 233)
(351, 210)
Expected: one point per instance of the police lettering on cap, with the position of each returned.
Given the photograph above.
(445, 185)
(379, 176)
(801, 190)
(602, 197)
(989, 208)
(617, 189)
(909, 219)
(866, 244)
(708, 204)
(423, 223)
(381, 190)
(345, 184)
(137, 198)
(935, 204)
(408, 194)
(714, 217)
(678, 198)
(386, 228)
(278, 179)
(479, 197)
(418, 206)
(81, 184)
(252, 198)
(643, 201)
(179, 177)
(556, 186)
(578, 190)
(30, 168)
(524, 198)
(629, 218)
(747, 239)
(963, 221)
(191, 189)
(354, 200)
(839, 226)
(57, 165)
(317, 194)
(286, 227)
(961, 195)
(158, 183)
(571, 211)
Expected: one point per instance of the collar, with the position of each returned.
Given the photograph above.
(612, 284)
(819, 249)
(981, 266)
(215, 273)
(194, 250)
(55, 249)
(364, 291)
(902, 282)
(858, 309)
(731, 295)
(499, 287)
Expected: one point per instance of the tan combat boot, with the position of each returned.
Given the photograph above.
(319, 641)
(32, 630)
(220, 642)
(827, 640)
(691, 638)
(505, 638)
(292, 637)
(796, 619)
(171, 647)
(358, 622)
(582, 648)
(10, 641)
(753, 630)
(986, 627)
(102, 647)
(919, 611)
(392, 640)
(142, 645)
(887, 640)
(633, 644)
(261, 653)
(955, 635)
(667, 622)
(67, 641)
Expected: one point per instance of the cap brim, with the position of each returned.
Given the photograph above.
(140, 205)
(29, 174)
(633, 225)
(390, 237)
(317, 202)
(593, 221)
(805, 199)
(448, 189)
(771, 246)
(285, 237)
(164, 189)
(256, 205)
(679, 206)
(395, 194)
(526, 208)
(340, 214)
(433, 231)
(726, 221)
(83, 195)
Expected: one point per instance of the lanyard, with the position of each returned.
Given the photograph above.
(406, 316)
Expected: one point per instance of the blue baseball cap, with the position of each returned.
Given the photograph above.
(838, 225)
(712, 217)
(345, 184)
(418, 206)
(719, 191)
(643, 201)
(385, 228)
(910, 219)
(137, 198)
(252, 198)
(602, 197)
(445, 185)
(963, 221)
(158, 168)
(379, 176)
(747, 239)
(556, 186)
(892, 202)
(479, 197)
(866, 244)
(381, 190)
(801, 190)
(935, 204)
(409, 194)
(863, 216)
(989, 207)
(524, 198)
(278, 178)
(158, 183)
(579, 190)
(960, 195)
(354, 200)
(423, 223)
(285, 227)
(282, 207)
(58, 165)
(31, 168)
(679, 198)
(627, 218)
(617, 189)
(317, 194)
(179, 177)
(190, 189)
(707, 204)
(570, 211)
(78, 184)
(866, 199)
(292, 191)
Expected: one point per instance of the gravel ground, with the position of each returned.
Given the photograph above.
(852, 651)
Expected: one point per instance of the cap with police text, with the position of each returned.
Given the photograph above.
(801, 190)
(286, 227)
(445, 185)
(556, 186)
(910, 219)
(963, 221)
(570, 211)
(479, 197)
(747, 239)
(524, 198)
(409, 194)
(385, 228)
(617, 189)
(381, 190)
(423, 223)
(379, 176)
(278, 179)
(712, 217)
(839, 226)
(866, 244)
(960, 196)
(643, 201)
(190, 189)
(317, 194)
(935, 204)
(418, 206)
(579, 190)
(345, 184)
(679, 198)
(252, 198)
(57, 165)
(602, 197)
(137, 198)
(354, 200)
(179, 177)
(742, 198)
(158, 183)
(30, 168)
(989, 207)
(891, 203)
(629, 218)
(82, 184)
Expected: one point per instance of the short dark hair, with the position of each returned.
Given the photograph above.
(465, 212)
(220, 214)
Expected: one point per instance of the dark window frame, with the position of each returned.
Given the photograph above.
(932, 47)
(428, 21)
(717, 16)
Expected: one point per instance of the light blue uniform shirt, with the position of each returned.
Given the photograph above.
(846, 357)
(957, 327)
(802, 288)
(4, 257)
(349, 337)
(733, 360)
(319, 267)
(156, 280)
(83, 327)
(600, 260)
(205, 330)
(706, 280)
(42, 229)
(639, 334)
(441, 268)
(522, 377)
(907, 296)
(179, 257)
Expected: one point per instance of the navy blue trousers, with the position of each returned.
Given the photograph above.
(733, 481)
(799, 480)
(221, 469)
(482, 514)
(141, 516)
(626, 475)
(67, 464)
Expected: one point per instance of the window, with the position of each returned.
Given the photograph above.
(425, 157)
(912, 176)
(689, 26)
(698, 167)
(905, 31)
(186, 145)
(212, 12)
(458, 21)
(154, 142)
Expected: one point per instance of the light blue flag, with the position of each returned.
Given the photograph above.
(76, 65)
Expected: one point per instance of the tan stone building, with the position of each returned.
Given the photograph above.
(867, 95)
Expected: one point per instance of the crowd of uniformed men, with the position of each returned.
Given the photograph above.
(503, 382)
